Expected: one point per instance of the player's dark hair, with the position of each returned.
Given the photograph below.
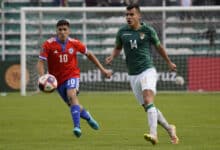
(136, 6)
(63, 22)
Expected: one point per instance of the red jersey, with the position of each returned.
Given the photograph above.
(62, 58)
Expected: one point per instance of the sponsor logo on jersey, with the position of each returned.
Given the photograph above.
(71, 50)
(142, 35)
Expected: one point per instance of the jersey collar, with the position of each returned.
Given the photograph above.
(58, 40)
(63, 45)
(142, 25)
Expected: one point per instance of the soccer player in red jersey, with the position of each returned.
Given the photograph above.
(60, 53)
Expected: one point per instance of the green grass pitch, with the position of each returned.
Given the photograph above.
(43, 122)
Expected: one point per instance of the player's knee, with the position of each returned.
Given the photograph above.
(148, 96)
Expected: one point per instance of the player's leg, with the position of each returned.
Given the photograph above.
(137, 90)
(84, 114)
(151, 110)
(172, 133)
(171, 129)
(75, 111)
(162, 120)
(68, 92)
(148, 81)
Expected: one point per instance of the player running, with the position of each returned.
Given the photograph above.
(136, 39)
(60, 54)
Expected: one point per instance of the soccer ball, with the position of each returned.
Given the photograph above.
(47, 83)
(179, 80)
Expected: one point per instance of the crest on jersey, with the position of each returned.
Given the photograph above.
(142, 35)
(71, 50)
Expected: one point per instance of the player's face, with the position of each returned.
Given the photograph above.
(133, 18)
(63, 32)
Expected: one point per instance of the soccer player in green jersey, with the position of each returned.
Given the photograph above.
(136, 39)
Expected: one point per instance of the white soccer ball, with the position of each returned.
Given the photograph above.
(47, 83)
(179, 80)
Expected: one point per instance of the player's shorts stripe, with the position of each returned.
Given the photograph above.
(43, 58)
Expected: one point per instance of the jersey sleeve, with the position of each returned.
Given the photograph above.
(80, 47)
(118, 41)
(154, 37)
(44, 51)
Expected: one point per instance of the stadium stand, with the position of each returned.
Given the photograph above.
(196, 35)
(10, 20)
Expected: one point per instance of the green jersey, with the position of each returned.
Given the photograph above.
(137, 47)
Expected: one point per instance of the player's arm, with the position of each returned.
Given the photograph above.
(43, 57)
(115, 53)
(40, 67)
(117, 50)
(93, 59)
(163, 53)
(161, 50)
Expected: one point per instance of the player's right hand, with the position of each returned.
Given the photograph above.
(107, 73)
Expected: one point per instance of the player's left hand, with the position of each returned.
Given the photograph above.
(172, 66)
(108, 60)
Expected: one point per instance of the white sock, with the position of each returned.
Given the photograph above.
(162, 121)
(152, 120)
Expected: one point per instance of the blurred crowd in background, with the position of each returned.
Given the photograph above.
(151, 2)
(140, 2)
